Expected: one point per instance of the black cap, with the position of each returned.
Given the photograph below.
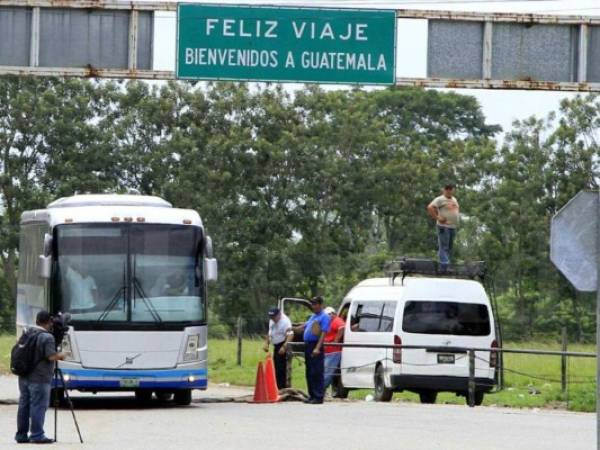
(274, 311)
(318, 299)
(43, 317)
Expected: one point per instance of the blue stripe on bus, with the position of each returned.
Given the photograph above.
(111, 373)
(114, 384)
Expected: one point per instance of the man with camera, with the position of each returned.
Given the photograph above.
(35, 386)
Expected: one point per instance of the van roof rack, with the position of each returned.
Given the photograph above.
(419, 266)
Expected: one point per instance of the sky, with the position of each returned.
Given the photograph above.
(499, 106)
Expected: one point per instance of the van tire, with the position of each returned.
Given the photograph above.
(478, 398)
(337, 388)
(183, 397)
(382, 393)
(428, 397)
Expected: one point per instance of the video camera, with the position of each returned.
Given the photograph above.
(60, 326)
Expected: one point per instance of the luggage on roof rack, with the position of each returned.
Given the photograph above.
(416, 266)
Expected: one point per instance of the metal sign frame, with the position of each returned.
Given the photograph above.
(489, 19)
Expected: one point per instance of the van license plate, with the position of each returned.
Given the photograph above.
(129, 382)
(445, 359)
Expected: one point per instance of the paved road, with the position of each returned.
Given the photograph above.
(116, 422)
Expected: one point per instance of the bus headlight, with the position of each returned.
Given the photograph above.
(65, 347)
(191, 348)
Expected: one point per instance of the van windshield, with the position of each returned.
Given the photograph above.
(454, 318)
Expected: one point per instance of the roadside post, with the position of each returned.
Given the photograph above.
(471, 388)
(574, 250)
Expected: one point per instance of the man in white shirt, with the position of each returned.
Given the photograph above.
(280, 333)
(83, 289)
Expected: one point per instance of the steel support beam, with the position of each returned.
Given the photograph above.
(34, 47)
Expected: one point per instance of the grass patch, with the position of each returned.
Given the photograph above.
(536, 385)
(6, 343)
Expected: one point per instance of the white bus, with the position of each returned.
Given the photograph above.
(131, 271)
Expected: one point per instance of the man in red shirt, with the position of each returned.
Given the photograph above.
(333, 355)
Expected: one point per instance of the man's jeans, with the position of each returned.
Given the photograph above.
(33, 403)
(445, 244)
(314, 371)
(332, 367)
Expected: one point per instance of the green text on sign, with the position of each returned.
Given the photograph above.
(286, 44)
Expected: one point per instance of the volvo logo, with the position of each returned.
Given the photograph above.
(129, 360)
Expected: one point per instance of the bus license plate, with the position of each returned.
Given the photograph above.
(445, 359)
(129, 382)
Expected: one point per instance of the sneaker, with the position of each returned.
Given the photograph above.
(44, 440)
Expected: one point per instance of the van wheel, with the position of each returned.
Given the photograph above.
(183, 397)
(337, 388)
(382, 393)
(427, 397)
(478, 398)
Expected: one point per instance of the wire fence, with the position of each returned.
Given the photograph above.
(472, 384)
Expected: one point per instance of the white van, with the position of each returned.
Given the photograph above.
(445, 313)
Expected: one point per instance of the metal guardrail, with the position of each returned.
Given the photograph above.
(471, 388)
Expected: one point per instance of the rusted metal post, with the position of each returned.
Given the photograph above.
(239, 340)
(471, 387)
(563, 362)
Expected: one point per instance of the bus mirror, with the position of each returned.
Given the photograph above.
(45, 266)
(210, 269)
(47, 244)
(208, 247)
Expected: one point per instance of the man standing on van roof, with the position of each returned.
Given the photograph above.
(445, 210)
(314, 334)
(280, 333)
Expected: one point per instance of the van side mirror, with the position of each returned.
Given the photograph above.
(211, 270)
(45, 266)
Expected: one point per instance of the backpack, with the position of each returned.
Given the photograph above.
(22, 355)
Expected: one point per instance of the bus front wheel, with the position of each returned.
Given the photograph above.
(183, 397)
(143, 396)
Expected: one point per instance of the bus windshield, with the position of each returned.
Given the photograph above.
(129, 273)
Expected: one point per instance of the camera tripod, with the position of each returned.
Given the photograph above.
(58, 374)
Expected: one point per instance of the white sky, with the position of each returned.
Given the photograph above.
(500, 107)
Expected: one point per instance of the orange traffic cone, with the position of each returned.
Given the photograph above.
(260, 389)
(272, 391)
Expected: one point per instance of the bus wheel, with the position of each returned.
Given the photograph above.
(337, 388)
(427, 396)
(143, 396)
(382, 393)
(59, 394)
(183, 397)
(163, 396)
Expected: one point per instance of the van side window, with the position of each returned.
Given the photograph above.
(366, 317)
(387, 318)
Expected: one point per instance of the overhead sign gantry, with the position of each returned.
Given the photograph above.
(115, 39)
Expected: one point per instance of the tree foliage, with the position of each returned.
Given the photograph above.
(310, 191)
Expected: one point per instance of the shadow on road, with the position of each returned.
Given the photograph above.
(117, 403)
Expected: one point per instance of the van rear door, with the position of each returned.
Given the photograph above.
(446, 324)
